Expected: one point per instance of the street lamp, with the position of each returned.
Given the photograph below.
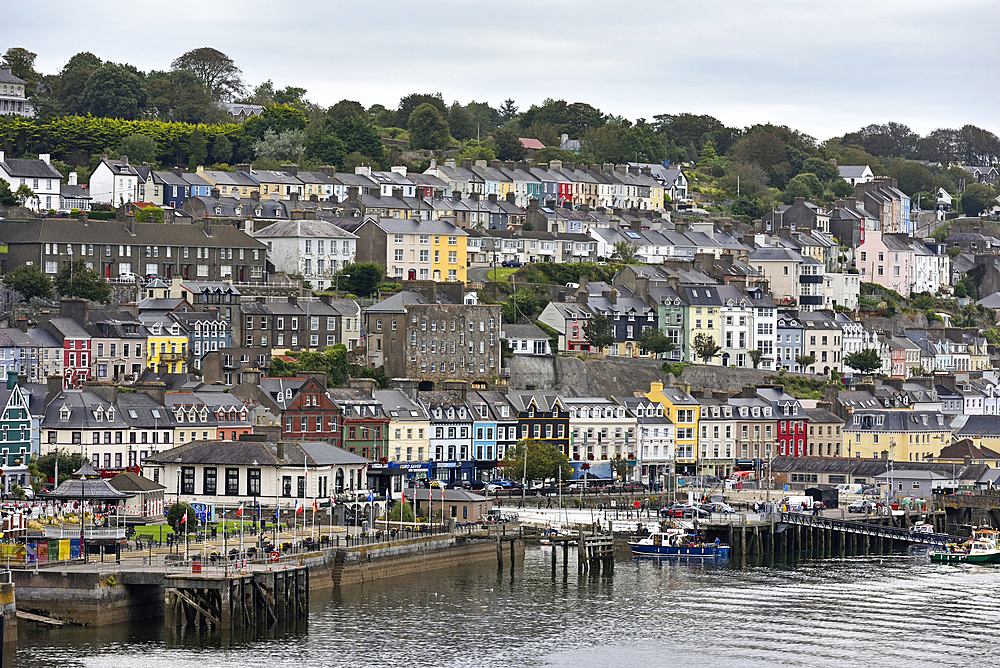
(336, 284)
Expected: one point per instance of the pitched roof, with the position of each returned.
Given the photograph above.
(305, 228)
(32, 169)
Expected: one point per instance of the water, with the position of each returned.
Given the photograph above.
(897, 610)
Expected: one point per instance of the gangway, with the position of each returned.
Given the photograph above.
(867, 529)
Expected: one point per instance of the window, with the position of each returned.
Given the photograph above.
(232, 482)
(209, 482)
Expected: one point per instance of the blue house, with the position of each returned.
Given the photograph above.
(206, 331)
(18, 354)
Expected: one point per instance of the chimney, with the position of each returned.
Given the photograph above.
(82, 217)
(352, 194)
(406, 386)
(43, 319)
(450, 163)
(254, 195)
(523, 165)
(290, 169)
(73, 179)
(466, 163)
(54, 385)
(46, 158)
(397, 193)
(215, 193)
(510, 164)
(459, 386)
(107, 391)
(510, 197)
(124, 160)
(22, 324)
(481, 164)
(496, 164)
(570, 166)
(130, 223)
(366, 385)
(157, 390)
(492, 197)
(279, 449)
(1, 152)
(244, 167)
(399, 169)
(251, 376)
(292, 299)
(642, 288)
(555, 165)
(206, 227)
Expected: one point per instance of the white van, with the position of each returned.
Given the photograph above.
(849, 488)
(794, 503)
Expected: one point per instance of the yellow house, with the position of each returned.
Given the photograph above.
(449, 253)
(166, 346)
(684, 411)
(409, 430)
(903, 436)
(278, 185)
(230, 184)
(703, 317)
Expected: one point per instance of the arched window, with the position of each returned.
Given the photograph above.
(340, 480)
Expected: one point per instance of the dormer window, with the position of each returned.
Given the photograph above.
(111, 414)
(99, 415)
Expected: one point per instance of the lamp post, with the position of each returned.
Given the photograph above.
(336, 283)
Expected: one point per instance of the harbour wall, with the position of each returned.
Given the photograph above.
(8, 615)
(135, 593)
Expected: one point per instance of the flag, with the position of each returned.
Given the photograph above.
(298, 507)
(184, 518)
(402, 496)
(333, 502)
(239, 511)
(315, 505)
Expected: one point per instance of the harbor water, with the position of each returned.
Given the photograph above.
(892, 610)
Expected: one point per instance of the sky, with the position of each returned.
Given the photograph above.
(824, 68)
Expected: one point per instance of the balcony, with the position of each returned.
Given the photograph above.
(810, 278)
(172, 357)
(811, 300)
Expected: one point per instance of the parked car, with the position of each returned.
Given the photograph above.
(511, 263)
(155, 277)
(127, 276)
(861, 506)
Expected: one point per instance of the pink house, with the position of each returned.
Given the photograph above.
(886, 259)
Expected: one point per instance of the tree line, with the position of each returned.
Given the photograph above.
(175, 117)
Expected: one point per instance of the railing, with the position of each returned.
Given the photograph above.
(864, 528)
(88, 532)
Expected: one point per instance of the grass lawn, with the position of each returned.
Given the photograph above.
(161, 531)
(501, 274)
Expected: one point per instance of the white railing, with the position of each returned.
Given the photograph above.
(88, 532)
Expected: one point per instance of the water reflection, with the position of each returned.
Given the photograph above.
(896, 610)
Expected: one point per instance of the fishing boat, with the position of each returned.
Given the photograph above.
(982, 548)
(677, 543)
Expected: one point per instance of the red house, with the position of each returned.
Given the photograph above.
(792, 419)
(76, 350)
(311, 416)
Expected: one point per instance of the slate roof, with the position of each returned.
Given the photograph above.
(133, 482)
(523, 332)
(110, 232)
(976, 425)
(898, 421)
(31, 169)
(305, 228)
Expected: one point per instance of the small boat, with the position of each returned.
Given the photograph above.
(677, 543)
(921, 529)
(982, 548)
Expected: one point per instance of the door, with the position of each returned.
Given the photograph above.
(411, 275)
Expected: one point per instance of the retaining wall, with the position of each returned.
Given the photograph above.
(90, 599)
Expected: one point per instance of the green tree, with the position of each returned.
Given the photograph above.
(414, 101)
(625, 251)
(755, 357)
(462, 123)
(29, 280)
(348, 109)
(401, 512)
(180, 96)
(139, 148)
(706, 347)
(45, 466)
(365, 277)
(599, 331)
(177, 512)
(197, 147)
(977, 198)
(508, 110)
(149, 214)
(805, 361)
(841, 188)
(427, 127)
(960, 290)
(655, 341)
(222, 149)
(114, 91)
(286, 146)
(74, 279)
(544, 461)
(217, 70)
(509, 146)
(866, 361)
(23, 194)
(6, 196)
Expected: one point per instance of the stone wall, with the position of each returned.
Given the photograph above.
(621, 376)
(89, 599)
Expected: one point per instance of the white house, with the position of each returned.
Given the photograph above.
(527, 340)
(39, 175)
(12, 95)
(114, 182)
(855, 174)
(313, 249)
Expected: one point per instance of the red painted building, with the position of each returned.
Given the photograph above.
(76, 350)
(792, 421)
(311, 416)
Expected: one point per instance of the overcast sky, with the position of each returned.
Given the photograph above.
(821, 67)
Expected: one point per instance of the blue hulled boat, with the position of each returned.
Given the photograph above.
(677, 543)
